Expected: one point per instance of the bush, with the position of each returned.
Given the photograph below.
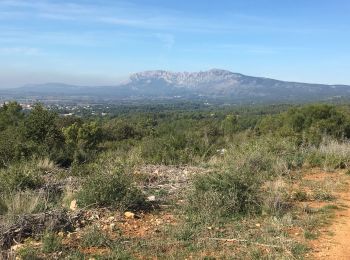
(28, 253)
(94, 237)
(323, 195)
(3, 207)
(330, 155)
(308, 123)
(225, 194)
(111, 189)
(74, 255)
(119, 253)
(300, 196)
(40, 126)
(20, 176)
(51, 243)
(10, 146)
(171, 149)
(276, 197)
(264, 156)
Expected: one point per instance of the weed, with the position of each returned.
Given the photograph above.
(310, 235)
(298, 250)
(186, 232)
(51, 243)
(329, 208)
(74, 255)
(94, 237)
(28, 253)
(3, 207)
(277, 198)
(118, 252)
(22, 202)
(321, 195)
(300, 196)
(20, 177)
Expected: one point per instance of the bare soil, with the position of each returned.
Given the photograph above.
(334, 241)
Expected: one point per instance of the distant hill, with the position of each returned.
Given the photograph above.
(212, 84)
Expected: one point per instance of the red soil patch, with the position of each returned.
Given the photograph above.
(334, 242)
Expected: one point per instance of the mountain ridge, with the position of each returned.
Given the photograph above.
(211, 84)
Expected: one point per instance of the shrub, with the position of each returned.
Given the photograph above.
(308, 122)
(264, 156)
(3, 207)
(28, 253)
(111, 189)
(40, 126)
(300, 196)
(119, 253)
(75, 255)
(20, 176)
(179, 148)
(10, 146)
(276, 197)
(323, 195)
(51, 243)
(225, 194)
(330, 155)
(310, 235)
(94, 237)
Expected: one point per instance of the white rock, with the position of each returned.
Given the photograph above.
(151, 198)
(73, 205)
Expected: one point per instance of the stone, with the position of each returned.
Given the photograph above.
(129, 215)
(73, 205)
(112, 226)
(151, 198)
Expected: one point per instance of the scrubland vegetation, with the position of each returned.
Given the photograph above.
(230, 191)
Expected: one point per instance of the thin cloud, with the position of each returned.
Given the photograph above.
(144, 17)
(28, 51)
(254, 49)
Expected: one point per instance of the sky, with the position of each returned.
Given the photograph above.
(101, 42)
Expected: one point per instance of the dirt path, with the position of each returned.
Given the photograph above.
(334, 243)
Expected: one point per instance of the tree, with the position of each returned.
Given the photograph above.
(10, 115)
(85, 137)
(41, 128)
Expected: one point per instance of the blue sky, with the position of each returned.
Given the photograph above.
(103, 41)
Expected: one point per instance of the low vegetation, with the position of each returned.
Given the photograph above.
(233, 186)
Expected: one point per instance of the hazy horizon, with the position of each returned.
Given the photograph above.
(77, 82)
(88, 43)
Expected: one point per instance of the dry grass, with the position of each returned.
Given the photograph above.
(332, 147)
(277, 199)
(330, 155)
(46, 165)
(23, 202)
